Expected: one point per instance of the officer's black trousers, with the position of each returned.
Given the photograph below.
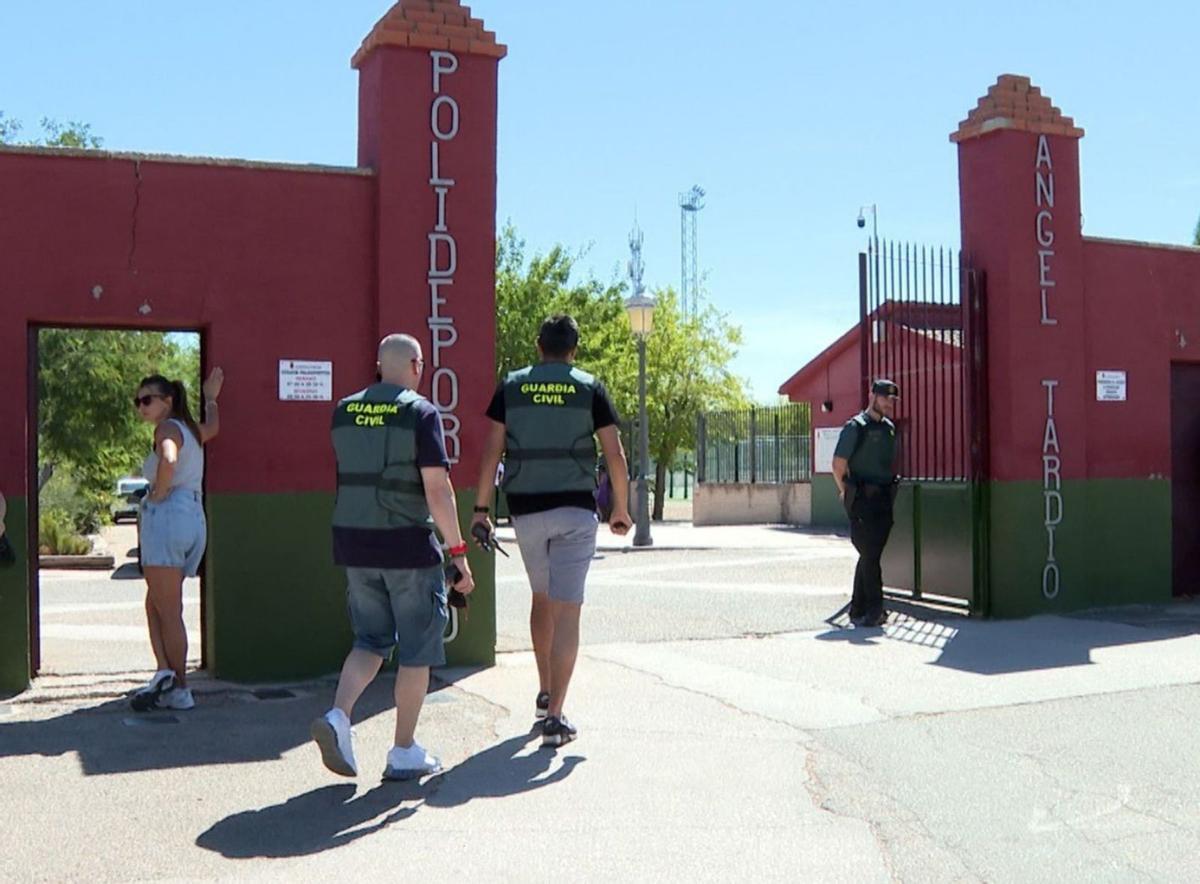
(870, 510)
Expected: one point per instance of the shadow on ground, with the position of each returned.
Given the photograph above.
(998, 647)
(333, 816)
(229, 726)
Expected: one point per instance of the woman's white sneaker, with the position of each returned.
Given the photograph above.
(149, 697)
(336, 741)
(410, 764)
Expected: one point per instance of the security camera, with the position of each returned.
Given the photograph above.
(862, 222)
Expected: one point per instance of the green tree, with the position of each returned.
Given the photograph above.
(87, 425)
(53, 134)
(687, 373)
(1196, 237)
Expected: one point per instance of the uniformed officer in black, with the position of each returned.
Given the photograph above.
(864, 470)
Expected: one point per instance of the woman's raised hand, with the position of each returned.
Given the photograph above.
(212, 386)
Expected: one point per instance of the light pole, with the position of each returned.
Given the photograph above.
(641, 320)
(862, 219)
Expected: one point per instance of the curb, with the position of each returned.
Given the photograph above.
(77, 563)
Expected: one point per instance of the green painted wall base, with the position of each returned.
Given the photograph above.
(1113, 546)
(276, 602)
(14, 604)
(827, 509)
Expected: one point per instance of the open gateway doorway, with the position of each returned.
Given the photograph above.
(87, 445)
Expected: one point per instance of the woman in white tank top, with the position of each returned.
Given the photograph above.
(174, 531)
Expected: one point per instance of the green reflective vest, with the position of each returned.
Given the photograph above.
(378, 483)
(550, 432)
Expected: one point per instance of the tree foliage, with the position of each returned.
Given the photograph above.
(687, 358)
(687, 373)
(53, 134)
(87, 424)
(1196, 236)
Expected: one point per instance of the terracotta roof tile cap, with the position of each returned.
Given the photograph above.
(430, 24)
(1013, 102)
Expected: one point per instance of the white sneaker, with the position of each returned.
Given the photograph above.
(336, 741)
(149, 697)
(177, 698)
(156, 684)
(410, 764)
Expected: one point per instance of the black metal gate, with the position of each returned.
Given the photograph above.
(923, 325)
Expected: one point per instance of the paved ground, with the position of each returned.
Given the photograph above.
(727, 733)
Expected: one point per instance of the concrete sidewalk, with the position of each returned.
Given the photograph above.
(674, 536)
(939, 748)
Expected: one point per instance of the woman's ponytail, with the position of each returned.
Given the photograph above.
(180, 410)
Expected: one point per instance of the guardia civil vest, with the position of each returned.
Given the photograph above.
(378, 484)
(874, 450)
(548, 418)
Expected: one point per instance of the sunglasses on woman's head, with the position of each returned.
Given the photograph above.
(144, 401)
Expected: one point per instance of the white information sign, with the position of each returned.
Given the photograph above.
(1111, 386)
(826, 439)
(305, 381)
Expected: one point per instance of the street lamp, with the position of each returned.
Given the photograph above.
(862, 219)
(641, 321)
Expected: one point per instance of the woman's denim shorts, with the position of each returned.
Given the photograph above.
(174, 532)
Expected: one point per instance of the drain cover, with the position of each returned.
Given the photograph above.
(150, 720)
(274, 694)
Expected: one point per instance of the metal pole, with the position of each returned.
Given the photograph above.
(641, 536)
(864, 331)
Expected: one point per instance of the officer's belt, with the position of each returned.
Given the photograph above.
(375, 480)
(550, 453)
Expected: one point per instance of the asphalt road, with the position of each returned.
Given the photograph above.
(727, 733)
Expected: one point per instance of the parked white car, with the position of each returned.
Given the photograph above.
(130, 491)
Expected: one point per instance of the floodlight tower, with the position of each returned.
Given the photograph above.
(690, 204)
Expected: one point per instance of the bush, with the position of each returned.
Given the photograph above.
(57, 536)
(87, 511)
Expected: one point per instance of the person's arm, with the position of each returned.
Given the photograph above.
(212, 415)
(846, 444)
(618, 477)
(493, 450)
(841, 467)
(3, 513)
(439, 495)
(167, 441)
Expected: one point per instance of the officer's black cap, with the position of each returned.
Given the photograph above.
(885, 388)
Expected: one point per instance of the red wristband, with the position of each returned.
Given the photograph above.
(460, 550)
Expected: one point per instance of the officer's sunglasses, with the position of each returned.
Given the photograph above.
(144, 401)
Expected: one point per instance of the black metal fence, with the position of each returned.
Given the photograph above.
(769, 445)
(923, 327)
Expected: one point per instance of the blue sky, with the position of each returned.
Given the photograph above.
(790, 115)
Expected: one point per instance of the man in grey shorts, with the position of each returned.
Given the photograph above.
(544, 419)
(393, 488)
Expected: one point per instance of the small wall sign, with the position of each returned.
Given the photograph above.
(1111, 386)
(305, 381)
(826, 439)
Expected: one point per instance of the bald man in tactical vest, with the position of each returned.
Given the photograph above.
(393, 490)
(864, 470)
(544, 420)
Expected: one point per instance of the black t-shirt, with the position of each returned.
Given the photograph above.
(411, 547)
(603, 415)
